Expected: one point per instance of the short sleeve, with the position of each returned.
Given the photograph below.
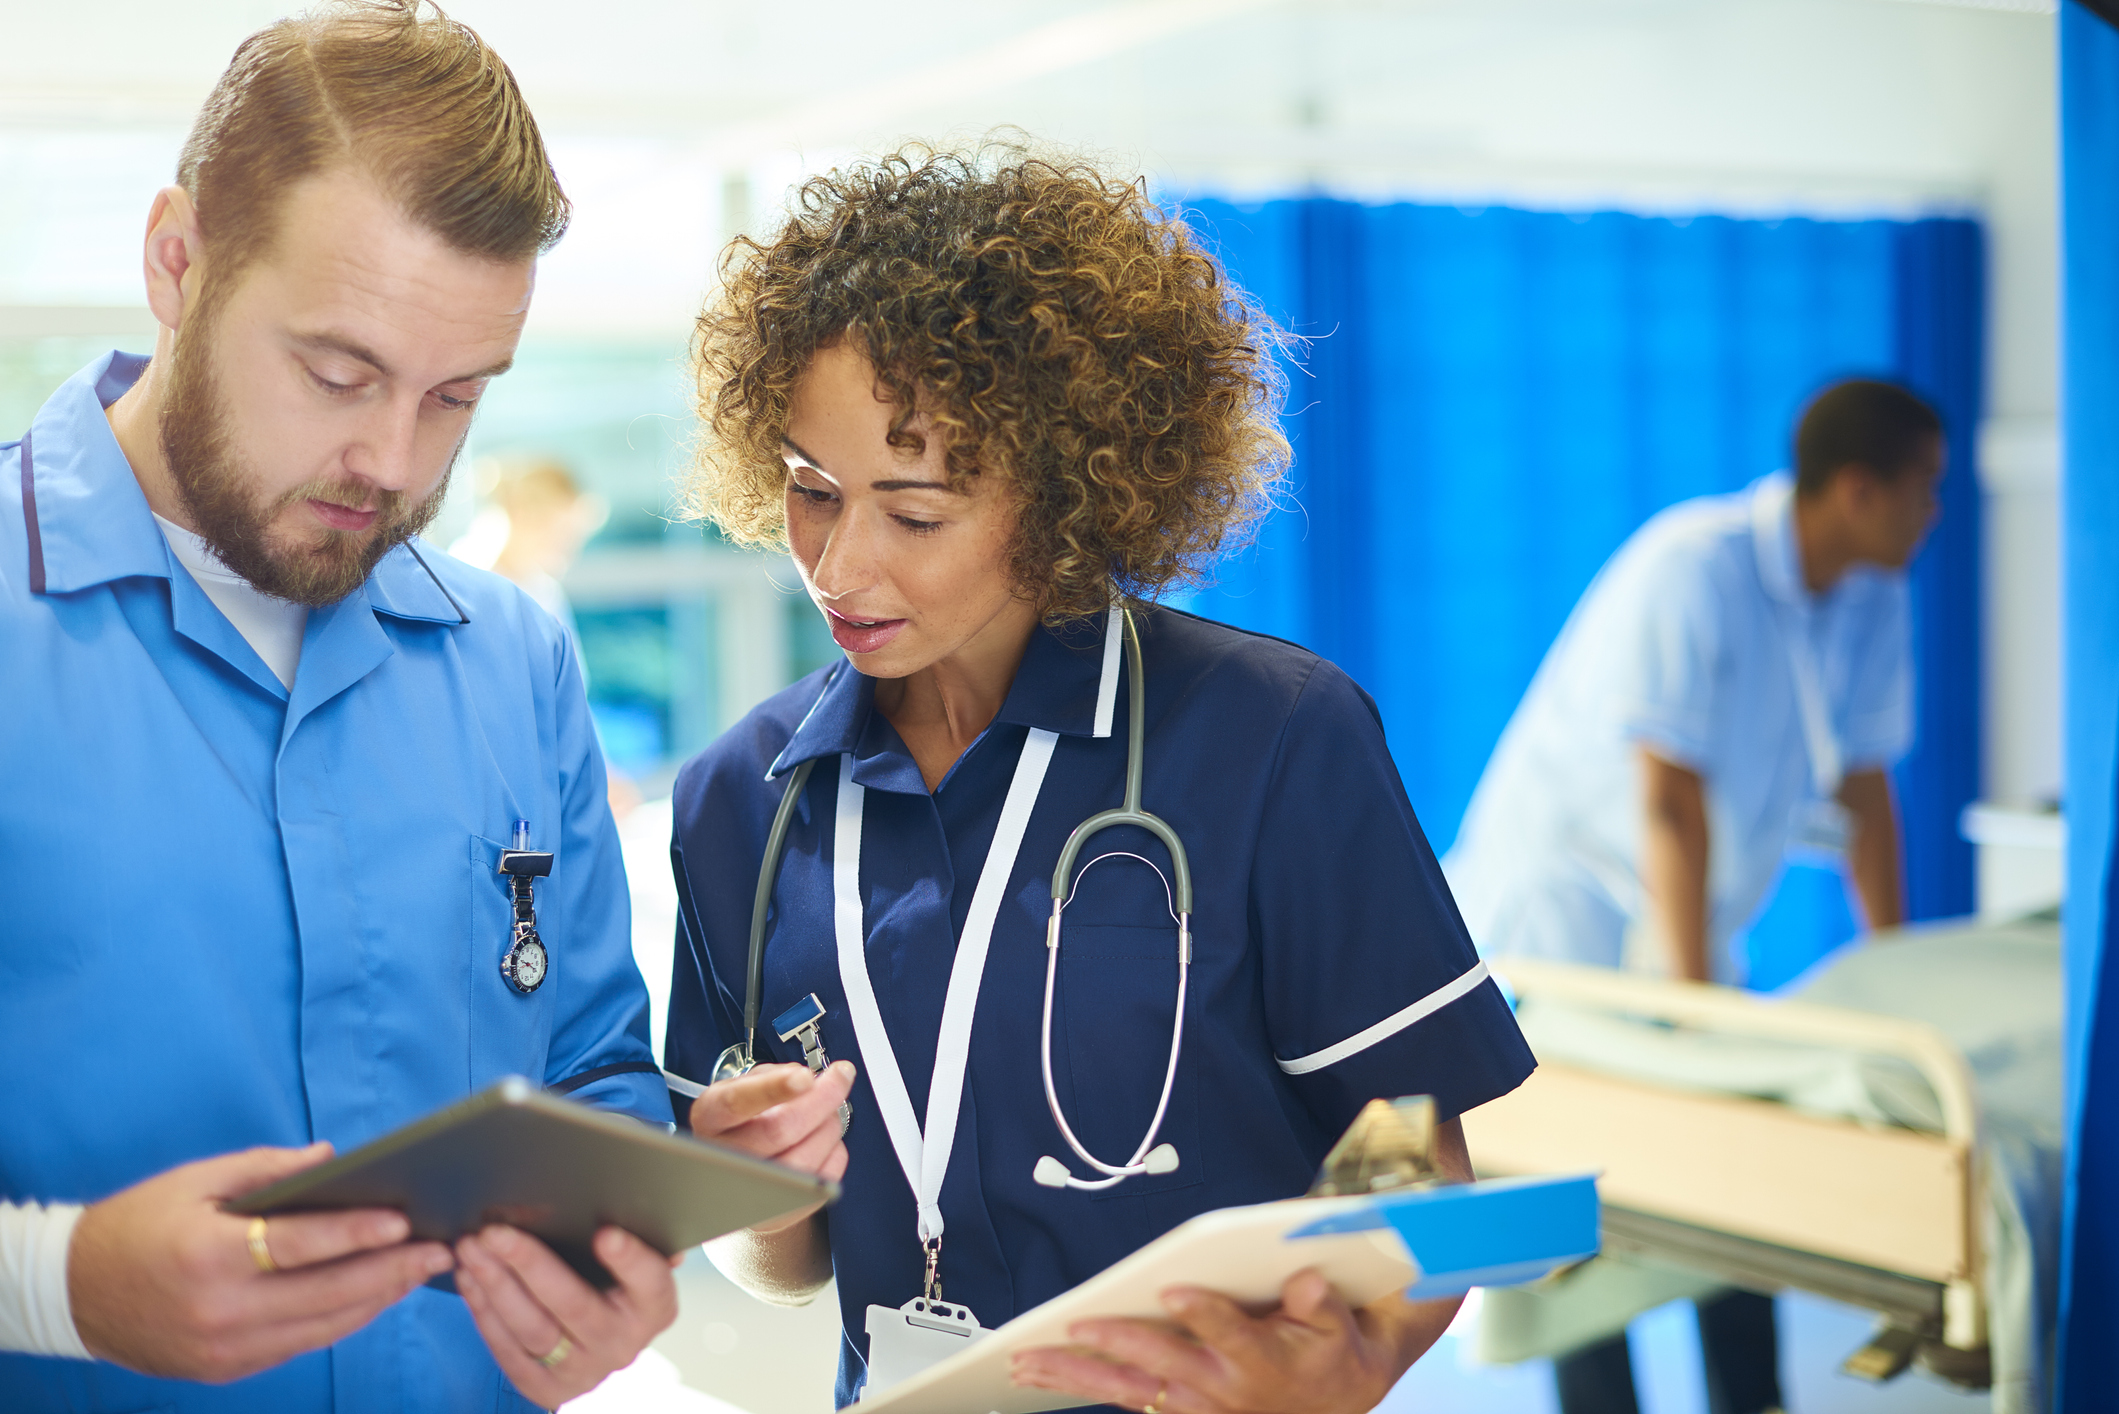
(1372, 986)
(1877, 720)
(1663, 633)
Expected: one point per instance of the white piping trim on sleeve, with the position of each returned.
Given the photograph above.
(690, 1089)
(1390, 1025)
(1107, 688)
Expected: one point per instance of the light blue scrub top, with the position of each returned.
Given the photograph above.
(1686, 644)
(239, 915)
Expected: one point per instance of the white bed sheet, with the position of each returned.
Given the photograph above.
(1994, 990)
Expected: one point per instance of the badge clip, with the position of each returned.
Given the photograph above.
(804, 1022)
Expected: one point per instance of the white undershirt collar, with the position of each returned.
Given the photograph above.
(271, 626)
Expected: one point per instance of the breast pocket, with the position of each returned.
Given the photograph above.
(510, 1030)
(1114, 1005)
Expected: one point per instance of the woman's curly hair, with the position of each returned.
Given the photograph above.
(1053, 326)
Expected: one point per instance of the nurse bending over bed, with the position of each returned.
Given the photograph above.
(993, 407)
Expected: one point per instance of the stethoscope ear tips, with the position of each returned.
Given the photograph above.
(1161, 1159)
(1051, 1173)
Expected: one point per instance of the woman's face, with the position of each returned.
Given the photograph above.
(906, 570)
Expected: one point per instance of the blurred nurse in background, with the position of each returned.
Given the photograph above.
(1737, 679)
(532, 523)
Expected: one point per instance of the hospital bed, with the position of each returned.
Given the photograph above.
(1888, 1138)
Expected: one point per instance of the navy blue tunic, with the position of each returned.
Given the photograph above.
(1320, 916)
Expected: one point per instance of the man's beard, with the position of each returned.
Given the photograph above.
(237, 526)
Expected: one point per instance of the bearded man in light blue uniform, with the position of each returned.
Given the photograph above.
(262, 751)
(1736, 679)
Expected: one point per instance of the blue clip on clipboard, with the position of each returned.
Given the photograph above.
(1501, 1232)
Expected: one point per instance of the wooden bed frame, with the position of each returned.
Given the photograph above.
(1749, 1190)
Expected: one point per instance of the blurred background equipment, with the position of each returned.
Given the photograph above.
(1561, 263)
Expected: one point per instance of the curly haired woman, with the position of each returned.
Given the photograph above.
(995, 406)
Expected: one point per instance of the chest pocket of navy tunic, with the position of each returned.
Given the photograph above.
(1115, 1001)
(510, 1032)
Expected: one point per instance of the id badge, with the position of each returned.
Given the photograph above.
(907, 1339)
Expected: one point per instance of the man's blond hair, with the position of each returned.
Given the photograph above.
(417, 102)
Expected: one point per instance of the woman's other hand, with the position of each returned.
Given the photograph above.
(1314, 1355)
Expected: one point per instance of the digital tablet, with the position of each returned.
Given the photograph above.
(552, 1167)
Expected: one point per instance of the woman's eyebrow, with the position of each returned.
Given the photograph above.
(796, 448)
(903, 485)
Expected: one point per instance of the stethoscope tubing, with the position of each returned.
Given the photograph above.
(1063, 876)
(761, 904)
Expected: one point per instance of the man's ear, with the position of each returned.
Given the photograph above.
(1857, 486)
(174, 261)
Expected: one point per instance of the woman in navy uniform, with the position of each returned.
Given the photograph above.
(993, 406)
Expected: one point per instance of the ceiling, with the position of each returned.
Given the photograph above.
(676, 122)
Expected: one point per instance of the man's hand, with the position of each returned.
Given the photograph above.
(163, 1282)
(781, 1112)
(1314, 1355)
(554, 1335)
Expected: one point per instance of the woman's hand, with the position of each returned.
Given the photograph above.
(780, 1112)
(1315, 1355)
(553, 1334)
(784, 1113)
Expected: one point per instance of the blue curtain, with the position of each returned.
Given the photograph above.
(2089, 125)
(1491, 400)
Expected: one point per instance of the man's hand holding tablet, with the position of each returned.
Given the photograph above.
(165, 1282)
(554, 1335)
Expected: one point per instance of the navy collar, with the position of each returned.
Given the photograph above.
(88, 521)
(1067, 683)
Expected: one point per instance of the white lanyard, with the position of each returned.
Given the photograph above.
(1825, 766)
(924, 1153)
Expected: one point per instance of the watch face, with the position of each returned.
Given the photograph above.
(525, 966)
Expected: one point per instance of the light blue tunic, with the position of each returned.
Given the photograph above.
(238, 915)
(1690, 642)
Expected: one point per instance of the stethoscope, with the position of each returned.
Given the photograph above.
(1148, 1156)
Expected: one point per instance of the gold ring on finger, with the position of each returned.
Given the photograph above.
(551, 1358)
(1155, 1405)
(260, 1253)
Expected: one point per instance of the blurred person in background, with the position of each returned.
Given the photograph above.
(993, 405)
(1737, 679)
(532, 525)
(262, 754)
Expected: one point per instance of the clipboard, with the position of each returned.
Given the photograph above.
(555, 1168)
(1426, 1243)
